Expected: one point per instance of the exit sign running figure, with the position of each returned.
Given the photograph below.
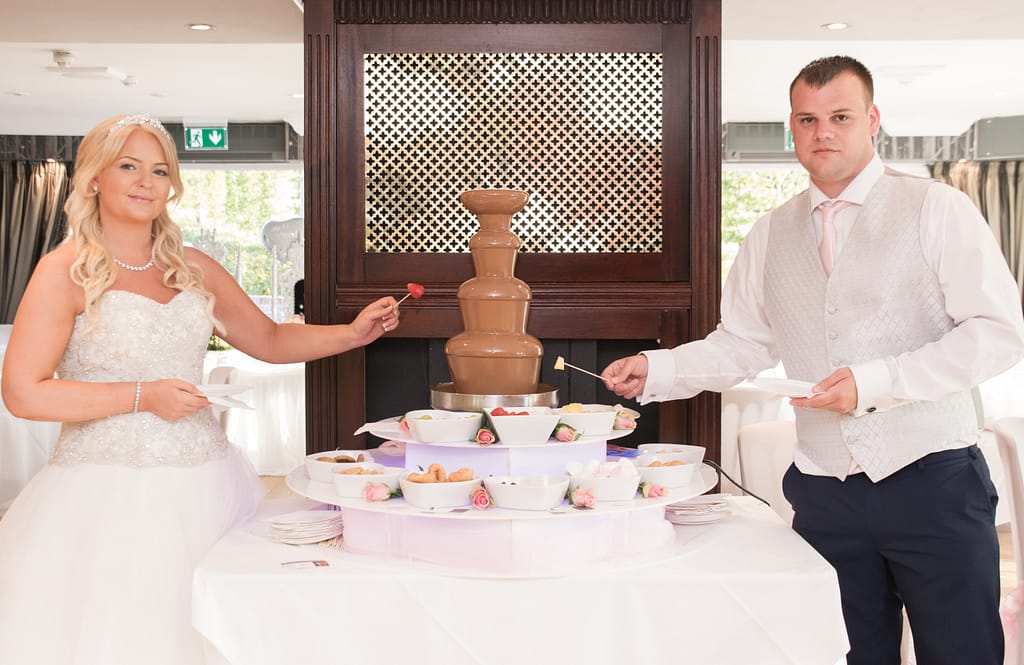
(206, 138)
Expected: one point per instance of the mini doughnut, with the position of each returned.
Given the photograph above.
(438, 472)
(465, 473)
(416, 477)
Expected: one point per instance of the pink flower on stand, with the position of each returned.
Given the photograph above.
(376, 492)
(485, 437)
(481, 499)
(565, 433)
(582, 498)
(651, 490)
(624, 420)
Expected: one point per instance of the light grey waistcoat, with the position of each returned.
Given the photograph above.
(881, 300)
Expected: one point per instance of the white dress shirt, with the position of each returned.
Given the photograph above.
(980, 296)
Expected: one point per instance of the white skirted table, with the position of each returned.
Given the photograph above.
(743, 590)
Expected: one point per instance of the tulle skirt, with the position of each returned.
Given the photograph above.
(96, 560)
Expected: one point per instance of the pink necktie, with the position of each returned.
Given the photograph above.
(827, 248)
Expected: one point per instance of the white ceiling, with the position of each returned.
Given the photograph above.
(939, 65)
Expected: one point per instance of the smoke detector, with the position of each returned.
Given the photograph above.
(64, 66)
(63, 58)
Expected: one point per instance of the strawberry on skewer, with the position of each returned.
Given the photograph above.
(415, 290)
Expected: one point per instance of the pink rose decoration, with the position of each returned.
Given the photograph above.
(403, 424)
(651, 490)
(624, 421)
(565, 432)
(376, 492)
(485, 437)
(583, 498)
(481, 499)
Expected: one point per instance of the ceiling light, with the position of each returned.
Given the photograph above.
(837, 25)
(199, 27)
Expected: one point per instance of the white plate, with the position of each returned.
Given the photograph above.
(785, 387)
(222, 389)
(227, 402)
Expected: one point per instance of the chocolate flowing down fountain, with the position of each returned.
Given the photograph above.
(494, 361)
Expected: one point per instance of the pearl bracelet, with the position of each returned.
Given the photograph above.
(138, 393)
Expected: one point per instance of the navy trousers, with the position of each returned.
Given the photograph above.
(923, 537)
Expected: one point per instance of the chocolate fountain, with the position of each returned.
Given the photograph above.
(494, 362)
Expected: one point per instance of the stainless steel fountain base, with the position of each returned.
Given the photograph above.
(443, 396)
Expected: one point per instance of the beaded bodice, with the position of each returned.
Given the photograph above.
(136, 338)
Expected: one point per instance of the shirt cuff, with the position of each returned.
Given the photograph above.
(661, 375)
(874, 388)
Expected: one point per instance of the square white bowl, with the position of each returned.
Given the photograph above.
(531, 492)
(666, 476)
(320, 470)
(670, 451)
(607, 488)
(439, 426)
(534, 427)
(591, 420)
(350, 485)
(437, 495)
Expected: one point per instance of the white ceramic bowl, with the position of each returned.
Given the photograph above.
(591, 420)
(608, 488)
(350, 485)
(535, 427)
(437, 495)
(320, 469)
(438, 426)
(666, 476)
(533, 492)
(670, 451)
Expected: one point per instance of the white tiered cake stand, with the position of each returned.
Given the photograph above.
(502, 541)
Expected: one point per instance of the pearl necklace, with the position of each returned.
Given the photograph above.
(141, 268)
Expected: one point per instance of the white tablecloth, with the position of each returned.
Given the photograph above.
(25, 445)
(744, 590)
(273, 433)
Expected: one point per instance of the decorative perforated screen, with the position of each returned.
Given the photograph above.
(581, 132)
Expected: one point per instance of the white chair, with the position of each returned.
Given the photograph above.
(743, 405)
(218, 375)
(765, 452)
(1009, 435)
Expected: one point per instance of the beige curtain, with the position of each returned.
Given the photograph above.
(997, 188)
(32, 196)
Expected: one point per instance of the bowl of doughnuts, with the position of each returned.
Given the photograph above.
(541, 491)
(665, 472)
(438, 426)
(523, 425)
(321, 466)
(350, 481)
(437, 488)
(588, 419)
(667, 451)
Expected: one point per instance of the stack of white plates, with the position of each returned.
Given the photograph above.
(699, 510)
(306, 526)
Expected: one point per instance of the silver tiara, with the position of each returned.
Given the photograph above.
(138, 119)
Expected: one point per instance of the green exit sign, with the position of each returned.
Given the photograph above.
(787, 141)
(206, 138)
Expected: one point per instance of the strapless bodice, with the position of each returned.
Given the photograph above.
(136, 338)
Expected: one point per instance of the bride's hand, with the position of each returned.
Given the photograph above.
(171, 399)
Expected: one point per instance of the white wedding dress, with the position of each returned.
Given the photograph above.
(97, 552)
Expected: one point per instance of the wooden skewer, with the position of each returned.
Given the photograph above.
(560, 364)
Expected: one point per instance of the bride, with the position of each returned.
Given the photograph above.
(97, 552)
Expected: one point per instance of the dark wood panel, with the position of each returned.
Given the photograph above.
(513, 11)
(504, 38)
(437, 267)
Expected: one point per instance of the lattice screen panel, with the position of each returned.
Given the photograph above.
(581, 132)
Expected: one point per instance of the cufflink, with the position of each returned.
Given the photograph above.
(870, 409)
